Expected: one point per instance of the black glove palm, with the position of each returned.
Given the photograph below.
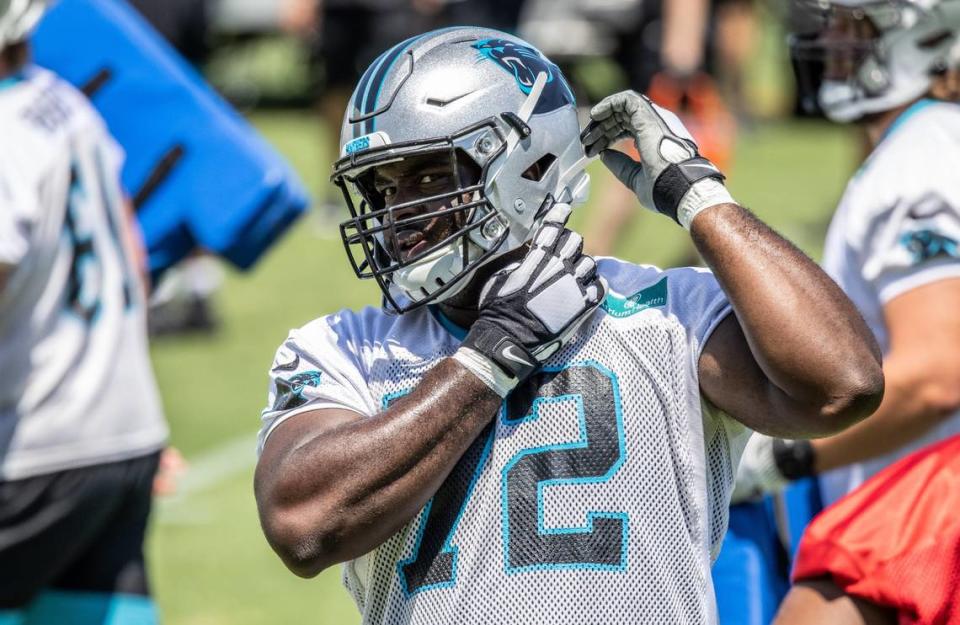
(529, 310)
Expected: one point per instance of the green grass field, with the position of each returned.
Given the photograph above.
(209, 561)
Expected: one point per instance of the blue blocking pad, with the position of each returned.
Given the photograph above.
(198, 173)
(81, 608)
(752, 574)
(12, 617)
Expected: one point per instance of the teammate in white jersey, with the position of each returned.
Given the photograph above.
(520, 435)
(892, 246)
(81, 424)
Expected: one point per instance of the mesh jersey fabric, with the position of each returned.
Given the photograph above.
(898, 228)
(77, 385)
(895, 541)
(598, 495)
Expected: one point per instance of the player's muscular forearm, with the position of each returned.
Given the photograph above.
(813, 348)
(328, 493)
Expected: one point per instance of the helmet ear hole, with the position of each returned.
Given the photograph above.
(538, 170)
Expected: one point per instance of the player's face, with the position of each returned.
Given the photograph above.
(408, 186)
(847, 40)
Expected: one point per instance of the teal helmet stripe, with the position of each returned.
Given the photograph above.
(364, 81)
(363, 89)
(381, 79)
(375, 78)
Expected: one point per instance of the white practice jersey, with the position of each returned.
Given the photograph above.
(898, 228)
(599, 493)
(77, 386)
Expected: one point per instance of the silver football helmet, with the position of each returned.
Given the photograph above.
(17, 19)
(872, 55)
(475, 96)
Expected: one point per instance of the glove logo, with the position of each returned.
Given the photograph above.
(525, 64)
(510, 354)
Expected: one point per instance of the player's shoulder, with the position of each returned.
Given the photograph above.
(41, 113)
(623, 276)
(38, 100)
(346, 329)
(369, 332)
(919, 155)
(681, 292)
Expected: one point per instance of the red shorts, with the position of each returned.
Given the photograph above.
(895, 541)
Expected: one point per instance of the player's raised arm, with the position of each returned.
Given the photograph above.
(796, 359)
(331, 485)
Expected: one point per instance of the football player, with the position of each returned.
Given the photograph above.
(520, 434)
(891, 67)
(81, 426)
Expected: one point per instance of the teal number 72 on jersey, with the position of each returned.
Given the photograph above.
(528, 544)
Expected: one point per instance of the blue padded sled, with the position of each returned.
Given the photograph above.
(200, 176)
(752, 573)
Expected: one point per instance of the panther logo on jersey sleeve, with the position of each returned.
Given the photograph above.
(290, 391)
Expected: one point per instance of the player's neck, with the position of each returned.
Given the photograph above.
(462, 308)
(877, 124)
(12, 59)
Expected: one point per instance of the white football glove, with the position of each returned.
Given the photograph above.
(758, 474)
(530, 309)
(769, 464)
(673, 179)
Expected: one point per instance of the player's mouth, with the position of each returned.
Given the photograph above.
(413, 240)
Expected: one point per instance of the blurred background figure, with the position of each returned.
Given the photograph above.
(81, 423)
(183, 23)
(184, 298)
(675, 51)
(879, 554)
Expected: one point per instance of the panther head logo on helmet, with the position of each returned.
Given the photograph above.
(526, 63)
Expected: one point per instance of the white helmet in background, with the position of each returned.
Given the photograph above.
(471, 95)
(874, 55)
(17, 19)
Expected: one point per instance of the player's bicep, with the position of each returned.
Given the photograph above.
(731, 380)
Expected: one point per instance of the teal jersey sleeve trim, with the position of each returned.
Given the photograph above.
(86, 608)
(455, 331)
(6, 83)
(910, 111)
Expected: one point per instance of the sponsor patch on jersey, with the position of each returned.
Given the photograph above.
(360, 144)
(290, 391)
(619, 306)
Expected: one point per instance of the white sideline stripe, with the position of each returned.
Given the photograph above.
(204, 472)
